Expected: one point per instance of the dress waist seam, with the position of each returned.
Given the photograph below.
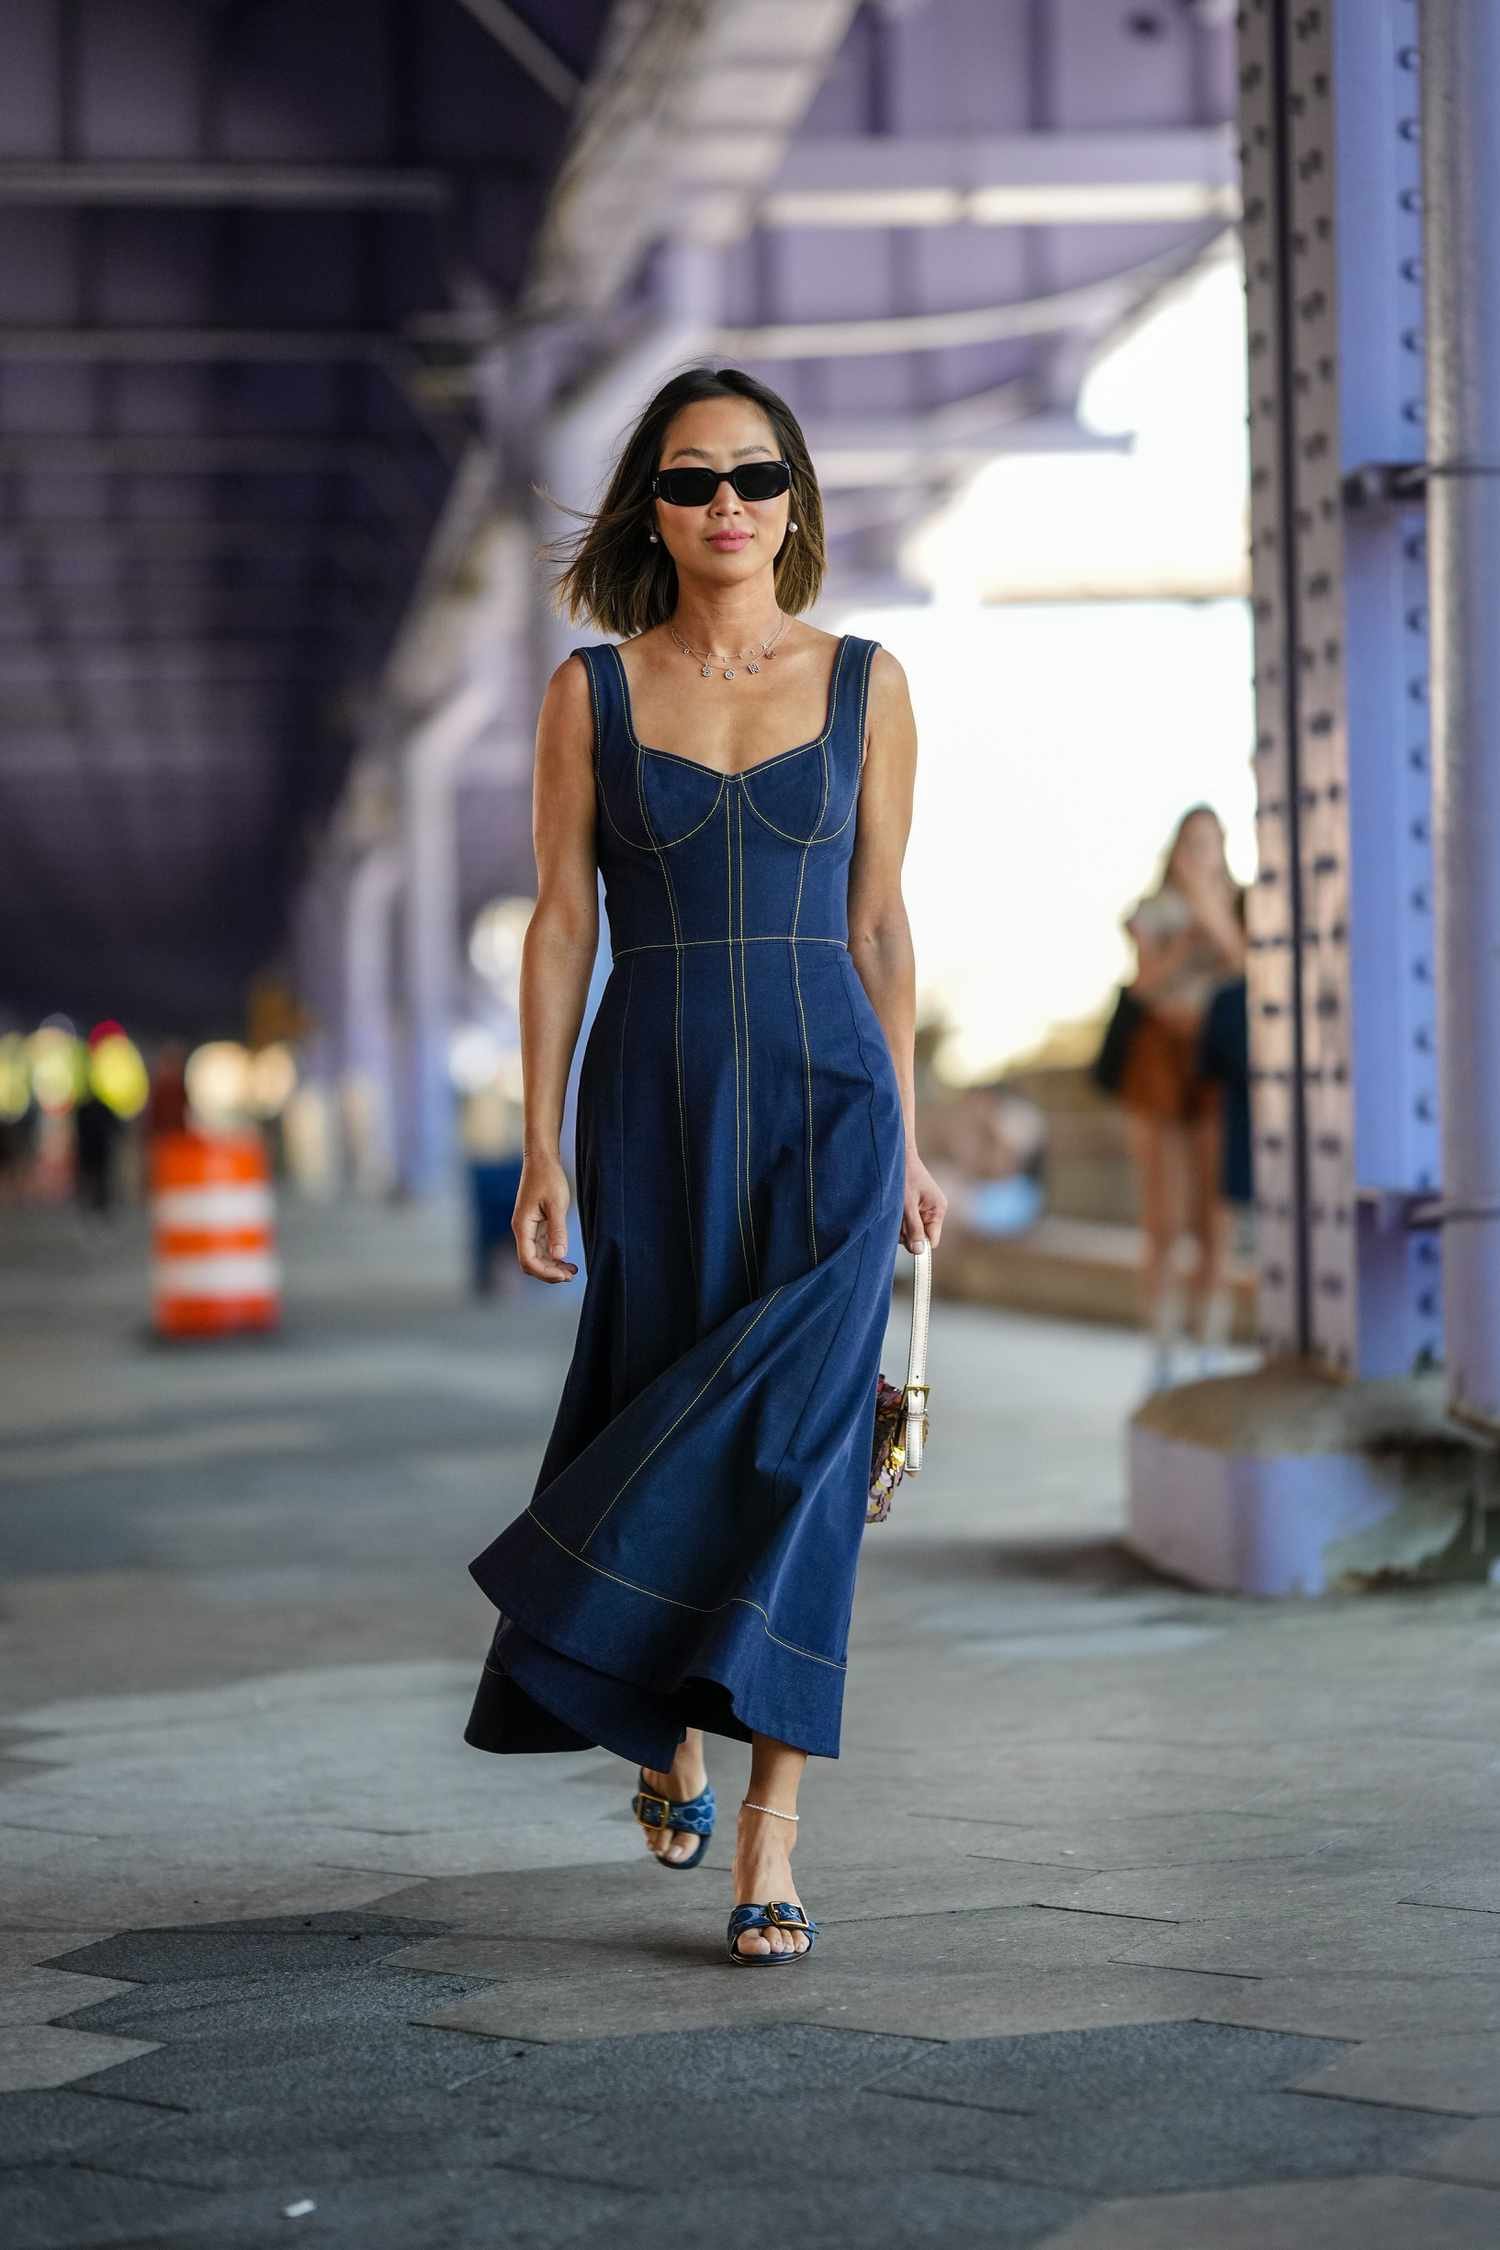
(760, 937)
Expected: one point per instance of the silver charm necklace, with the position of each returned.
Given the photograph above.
(750, 657)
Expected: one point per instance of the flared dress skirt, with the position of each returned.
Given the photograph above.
(688, 1553)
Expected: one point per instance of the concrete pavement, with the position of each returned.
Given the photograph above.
(1151, 1921)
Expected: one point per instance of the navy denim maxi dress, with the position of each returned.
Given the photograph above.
(688, 1554)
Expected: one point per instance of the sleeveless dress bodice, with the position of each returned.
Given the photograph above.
(688, 1553)
(672, 847)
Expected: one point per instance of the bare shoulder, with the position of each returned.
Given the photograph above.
(567, 712)
(568, 689)
(890, 717)
(565, 722)
(889, 688)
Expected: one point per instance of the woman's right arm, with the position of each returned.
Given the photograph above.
(557, 962)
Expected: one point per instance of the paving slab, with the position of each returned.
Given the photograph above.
(28, 1949)
(1189, 2134)
(56, 2123)
(37, 2055)
(963, 2001)
(1128, 2063)
(1158, 1840)
(475, 2209)
(1384, 2213)
(1210, 2137)
(786, 2060)
(1478, 1893)
(73, 2207)
(1472, 2153)
(206, 2010)
(127, 1895)
(925, 2211)
(1433, 1940)
(1355, 2007)
(614, 1904)
(1445, 2072)
(935, 1943)
(243, 2145)
(41, 1995)
(268, 1945)
(1336, 1880)
(337, 2057)
(850, 2135)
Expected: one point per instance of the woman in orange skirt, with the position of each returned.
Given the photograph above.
(1189, 934)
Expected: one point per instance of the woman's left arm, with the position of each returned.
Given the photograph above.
(879, 932)
(1217, 917)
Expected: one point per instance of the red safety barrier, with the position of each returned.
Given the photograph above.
(214, 1264)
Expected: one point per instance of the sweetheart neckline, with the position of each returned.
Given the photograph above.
(717, 773)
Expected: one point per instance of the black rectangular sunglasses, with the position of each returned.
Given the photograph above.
(695, 488)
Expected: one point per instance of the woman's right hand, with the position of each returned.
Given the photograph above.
(540, 1220)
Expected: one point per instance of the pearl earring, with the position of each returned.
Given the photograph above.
(653, 539)
(791, 527)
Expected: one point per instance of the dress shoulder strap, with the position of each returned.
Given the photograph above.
(854, 698)
(599, 662)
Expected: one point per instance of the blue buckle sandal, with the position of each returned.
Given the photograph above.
(695, 1815)
(780, 1914)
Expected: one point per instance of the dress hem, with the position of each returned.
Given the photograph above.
(581, 1614)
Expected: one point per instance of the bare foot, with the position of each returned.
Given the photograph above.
(762, 1872)
(687, 1777)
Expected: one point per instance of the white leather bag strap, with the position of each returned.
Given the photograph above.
(917, 1385)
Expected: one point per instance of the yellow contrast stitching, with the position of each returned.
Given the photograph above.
(812, 1230)
(655, 846)
(868, 659)
(798, 750)
(625, 1233)
(670, 843)
(687, 1185)
(692, 1402)
(810, 841)
(756, 937)
(745, 997)
(699, 1609)
(734, 1026)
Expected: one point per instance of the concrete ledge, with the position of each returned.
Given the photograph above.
(1067, 1269)
(1284, 1482)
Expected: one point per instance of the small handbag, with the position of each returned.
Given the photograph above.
(1108, 1067)
(901, 1412)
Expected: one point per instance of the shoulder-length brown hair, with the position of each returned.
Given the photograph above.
(617, 579)
(1169, 856)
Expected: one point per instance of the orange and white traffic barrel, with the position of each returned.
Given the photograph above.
(213, 1215)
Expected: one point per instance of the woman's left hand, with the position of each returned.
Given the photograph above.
(926, 1204)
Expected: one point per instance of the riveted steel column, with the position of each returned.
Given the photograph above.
(1341, 926)
(1461, 168)
(1275, 964)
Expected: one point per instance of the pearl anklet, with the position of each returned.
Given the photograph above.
(771, 1809)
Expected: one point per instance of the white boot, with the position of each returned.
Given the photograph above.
(1166, 1325)
(1213, 1335)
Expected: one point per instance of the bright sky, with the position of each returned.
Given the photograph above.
(1060, 740)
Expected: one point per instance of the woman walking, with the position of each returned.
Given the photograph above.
(746, 1154)
(1189, 934)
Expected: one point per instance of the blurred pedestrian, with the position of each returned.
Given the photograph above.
(493, 1132)
(167, 1102)
(96, 1138)
(1189, 933)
